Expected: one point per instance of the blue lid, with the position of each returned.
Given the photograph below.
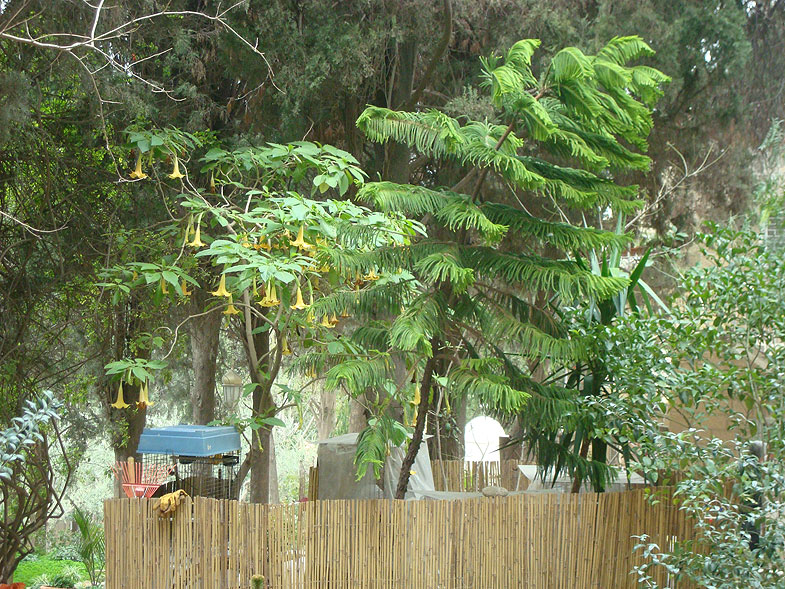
(189, 440)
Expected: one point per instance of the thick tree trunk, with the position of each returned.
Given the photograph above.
(325, 423)
(358, 415)
(261, 456)
(396, 167)
(205, 331)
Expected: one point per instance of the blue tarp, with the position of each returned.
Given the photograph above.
(189, 440)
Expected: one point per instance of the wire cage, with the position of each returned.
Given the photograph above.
(203, 459)
(202, 476)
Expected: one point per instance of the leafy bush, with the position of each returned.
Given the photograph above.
(91, 544)
(718, 354)
(41, 581)
(65, 552)
(68, 577)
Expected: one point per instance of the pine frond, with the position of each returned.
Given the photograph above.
(431, 132)
(359, 374)
(374, 335)
(579, 179)
(489, 134)
(406, 198)
(563, 277)
(509, 166)
(460, 212)
(578, 98)
(525, 312)
(534, 115)
(413, 329)
(373, 444)
(452, 209)
(605, 146)
(570, 64)
(372, 233)
(444, 267)
(520, 54)
(483, 379)
(646, 82)
(374, 300)
(499, 329)
(621, 50)
(515, 75)
(610, 74)
(564, 236)
(383, 259)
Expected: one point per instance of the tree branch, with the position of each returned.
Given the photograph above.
(441, 49)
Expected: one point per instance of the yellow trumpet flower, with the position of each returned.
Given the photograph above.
(285, 351)
(300, 303)
(176, 171)
(345, 312)
(324, 269)
(164, 289)
(138, 174)
(212, 182)
(144, 397)
(371, 276)
(197, 242)
(189, 229)
(222, 292)
(326, 322)
(334, 319)
(417, 396)
(231, 309)
(184, 286)
(300, 242)
(271, 298)
(120, 402)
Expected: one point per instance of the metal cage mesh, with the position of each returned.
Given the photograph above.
(211, 476)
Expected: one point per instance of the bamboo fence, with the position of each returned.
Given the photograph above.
(544, 540)
(459, 475)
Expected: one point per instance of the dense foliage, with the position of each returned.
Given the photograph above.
(711, 369)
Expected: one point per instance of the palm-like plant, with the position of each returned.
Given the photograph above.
(473, 310)
(91, 545)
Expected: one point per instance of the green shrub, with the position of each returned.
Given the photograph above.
(68, 577)
(29, 572)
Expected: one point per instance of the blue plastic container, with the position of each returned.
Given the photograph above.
(189, 440)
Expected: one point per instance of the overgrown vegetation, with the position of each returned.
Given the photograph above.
(402, 209)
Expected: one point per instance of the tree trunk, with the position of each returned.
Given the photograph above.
(358, 416)
(419, 427)
(264, 483)
(396, 167)
(261, 457)
(326, 419)
(578, 481)
(205, 331)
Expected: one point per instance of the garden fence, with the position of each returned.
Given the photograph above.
(543, 540)
(460, 475)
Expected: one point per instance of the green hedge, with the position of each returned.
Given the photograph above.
(29, 571)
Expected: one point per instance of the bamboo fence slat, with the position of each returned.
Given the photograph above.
(544, 540)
